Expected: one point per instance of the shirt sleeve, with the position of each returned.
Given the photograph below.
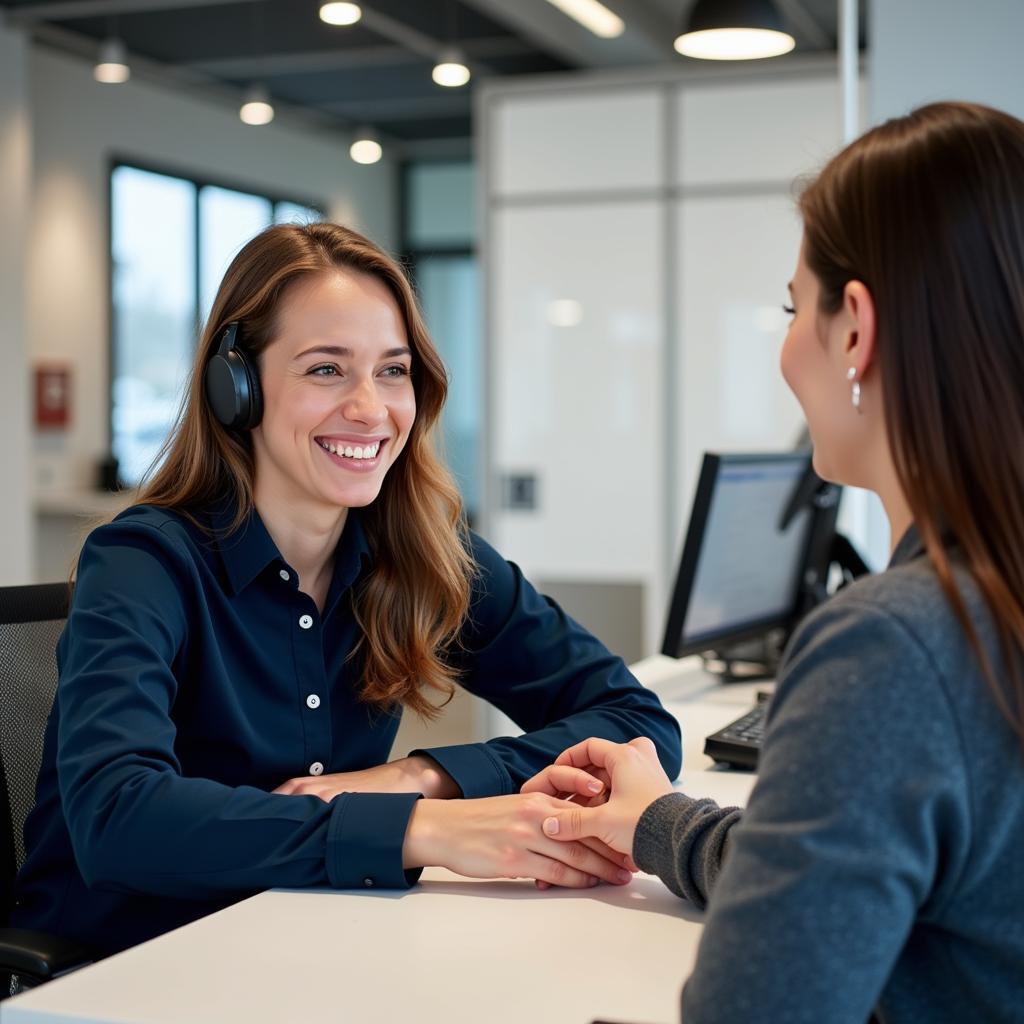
(861, 797)
(136, 823)
(555, 680)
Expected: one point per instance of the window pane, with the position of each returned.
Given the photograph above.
(153, 277)
(227, 220)
(296, 213)
(450, 293)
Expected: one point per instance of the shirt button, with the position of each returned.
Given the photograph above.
(312, 701)
(285, 575)
(368, 883)
(306, 621)
(316, 768)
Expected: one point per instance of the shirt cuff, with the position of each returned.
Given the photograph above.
(475, 769)
(365, 839)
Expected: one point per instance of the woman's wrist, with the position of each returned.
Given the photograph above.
(421, 848)
(428, 777)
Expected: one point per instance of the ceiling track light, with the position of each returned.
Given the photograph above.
(340, 14)
(366, 147)
(734, 30)
(256, 107)
(451, 70)
(111, 67)
(593, 16)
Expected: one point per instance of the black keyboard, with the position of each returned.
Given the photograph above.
(739, 743)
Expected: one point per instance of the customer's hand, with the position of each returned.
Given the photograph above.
(586, 787)
(502, 837)
(416, 774)
(636, 781)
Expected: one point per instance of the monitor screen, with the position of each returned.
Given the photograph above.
(740, 574)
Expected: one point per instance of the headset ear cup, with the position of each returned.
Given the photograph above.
(255, 404)
(233, 385)
(222, 390)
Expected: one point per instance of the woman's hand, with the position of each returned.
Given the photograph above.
(502, 837)
(636, 781)
(416, 774)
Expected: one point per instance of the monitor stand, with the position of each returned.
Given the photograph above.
(748, 661)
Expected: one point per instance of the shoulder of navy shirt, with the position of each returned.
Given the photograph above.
(195, 677)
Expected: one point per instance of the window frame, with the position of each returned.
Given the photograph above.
(412, 256)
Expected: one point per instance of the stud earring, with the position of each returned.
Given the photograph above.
(854, 388)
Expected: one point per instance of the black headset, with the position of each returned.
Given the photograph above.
(233, 385)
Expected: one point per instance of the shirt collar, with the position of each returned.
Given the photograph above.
(910, 547)
(250, 549)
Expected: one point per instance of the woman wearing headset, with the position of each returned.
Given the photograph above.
(295, 573)
(878, 863)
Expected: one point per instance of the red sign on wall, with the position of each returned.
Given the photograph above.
(53, 397)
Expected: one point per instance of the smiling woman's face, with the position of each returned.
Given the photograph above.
(337, 389)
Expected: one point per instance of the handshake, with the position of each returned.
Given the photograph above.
(602, 789)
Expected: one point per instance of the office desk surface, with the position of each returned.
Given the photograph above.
(450, 950)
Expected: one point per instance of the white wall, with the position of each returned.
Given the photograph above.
(77, 127)
(16, 524)
(945, 49)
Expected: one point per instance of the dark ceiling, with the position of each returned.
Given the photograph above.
(376, 72)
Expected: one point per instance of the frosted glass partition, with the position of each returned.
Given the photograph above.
(577, 360)
(635, 322)
(756, 132)
(596, 140)
(738, 253)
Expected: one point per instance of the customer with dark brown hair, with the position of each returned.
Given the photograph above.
(879, 862)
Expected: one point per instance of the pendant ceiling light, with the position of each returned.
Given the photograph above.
(112, 64)
(366, 147)
(451, 70)
(340, 14)
(734, 30)
(256, 107)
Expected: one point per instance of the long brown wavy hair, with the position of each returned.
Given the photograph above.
(412, 604)
(928, 212)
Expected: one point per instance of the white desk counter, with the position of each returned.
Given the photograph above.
(451, 950)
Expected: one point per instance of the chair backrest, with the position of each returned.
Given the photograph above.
(31, 619)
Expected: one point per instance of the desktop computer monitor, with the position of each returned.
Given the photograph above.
(741, 573)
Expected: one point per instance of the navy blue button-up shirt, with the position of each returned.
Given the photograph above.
(195, 677)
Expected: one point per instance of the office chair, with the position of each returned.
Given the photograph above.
(31, 619)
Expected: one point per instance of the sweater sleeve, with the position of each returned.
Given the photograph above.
(862, 796)
(683, 841)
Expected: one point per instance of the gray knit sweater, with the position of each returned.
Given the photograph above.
(880, 862)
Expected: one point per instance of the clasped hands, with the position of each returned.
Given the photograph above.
(571, 825)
